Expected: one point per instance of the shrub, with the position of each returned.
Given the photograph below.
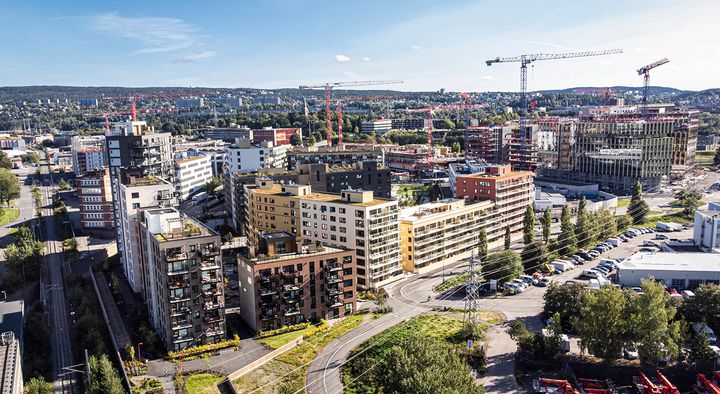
(210, 347)
(283, 330)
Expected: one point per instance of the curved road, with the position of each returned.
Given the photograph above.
(409, 298)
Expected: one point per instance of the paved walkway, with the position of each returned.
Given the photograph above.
(117, 326)
(500, 353)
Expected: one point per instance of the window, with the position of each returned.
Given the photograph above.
(135, 195)
(135, 205)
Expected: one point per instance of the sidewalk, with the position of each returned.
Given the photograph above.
(117, 325)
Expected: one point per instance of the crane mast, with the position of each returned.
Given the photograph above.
(524, 60)
(328, 86)
(645, 72)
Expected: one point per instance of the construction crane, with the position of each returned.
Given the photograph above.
(705, 385)
(466, 98)
(645, 72)
(553, 386)
(328, 86)
(431, 110)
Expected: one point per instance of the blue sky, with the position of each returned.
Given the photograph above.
(285, 43)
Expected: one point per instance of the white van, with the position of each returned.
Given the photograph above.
(614, 241)
(591, 273)
(560, 266)
(594, 284)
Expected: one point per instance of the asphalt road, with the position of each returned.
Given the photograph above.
(409, 298)
(53, 287)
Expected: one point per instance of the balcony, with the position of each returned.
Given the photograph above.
(179, 271)
(209, 265)
(290, 287)
(333, 279)
(292, 311)
(206, 279)
(209, 305)
(185, 323)
(333, 267)
(181, 297)
(334, 302)
(333, 291)
(209, 251)
(266, 291)
(211, 332)
(183, 310)
(268, 316)
(182, 338)
(178, 284)
(177, 256)
(213, 319)
(213, 292)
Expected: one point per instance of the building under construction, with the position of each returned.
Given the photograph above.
(490, 143)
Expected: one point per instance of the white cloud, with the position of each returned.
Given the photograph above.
(415, 47)
(194, 57)
(487, 78)
(342, 58)
(366, 58)
(156, 34)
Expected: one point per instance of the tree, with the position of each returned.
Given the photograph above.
(701, 354)
(423, 365)
(32, 158)
(295, 140)
(435, 192)
(638, 208)
(213, 184)
(5, 161)
(704, 306)
(623, 222)
(583, 231)
(503, 266)
(38, 386)
(482, 244)
(508, 239)
(689, 201)
(105, 379)
(533, 256)
(605, 220)
(529, 225)
(565, 300)
(653, 327)
(9, 186)
(546, 223)
(456, 147)
(64, 185)
(448, 124)
(311, 140)
(601, 322)
(567, 241)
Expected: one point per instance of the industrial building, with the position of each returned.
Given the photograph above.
(184, 277)
(677, 270)
(284, 282)
(445, 231)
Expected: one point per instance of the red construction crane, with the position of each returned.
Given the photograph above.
(705, 385)
(328, 86)
(645, 72)
(544, 385)
(667, 387)
(340, 121)
(431, 110)
(648, 386)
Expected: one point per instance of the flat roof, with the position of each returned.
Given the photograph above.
(11, 317)
(425, 211)
(314, 196)
(194, 158)
(668, 261)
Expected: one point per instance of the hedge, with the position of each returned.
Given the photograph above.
(283, 330)
(210, 347)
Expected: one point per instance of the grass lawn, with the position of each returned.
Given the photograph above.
(623, 203)
(203, 383)
(674, 217)
(286, 373)
(451, 282)
(411, 191)
(8, 215)
(441, 327)
(276, 341)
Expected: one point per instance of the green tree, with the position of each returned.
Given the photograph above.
(448, 124)
(5, 161)
(638, 208)
(38, 386)
(482, 244)
(105, 379)
(311, 140)
(704, 306)
(32, 158)
(508, 238)
(546, 225)
(456, 147)
(64, 185)
(9, 186)
(423, 365)
(295, 140)
(213, 184)
(601, 322)
(689, 201)
(654, 329)
(583, 226)
(503, 266)
(701, 354)
(623, 222)
(567, 241)
(566, 300)
(529, 225)
(533, 256)
(605, 222)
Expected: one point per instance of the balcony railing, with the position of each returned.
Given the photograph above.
(181, 297)
(209, 251)
(292, 311)
(334, 267)
(178, 284)
(209, 265)
(333, 291)
(213, 332)
(266, 291)
(182, 338)
(211, 292)
(208, 306)
(334, 302)
(333, 279)
(179, 311)
(209, 279)
(213, 319)
(187, 323)
(268, 316)
(176, 256)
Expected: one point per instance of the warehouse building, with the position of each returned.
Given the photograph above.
(678, 270)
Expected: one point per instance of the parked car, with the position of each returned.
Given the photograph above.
(520, 283)
(528, 279)
(630, 353)
(647, 249)
(591, 273)
(623, 238)
(661, 236)
(649, 242)
(544, 282)
(638, 290)
(602, 270)
(687, 294)
(511, 288)
(614, 241)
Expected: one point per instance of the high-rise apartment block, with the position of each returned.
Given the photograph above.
(354, 220)
(88, 153)
(285, 281)
(95, 200)
(246, 157)
(444, 231)
(182, 261)
(192, 174)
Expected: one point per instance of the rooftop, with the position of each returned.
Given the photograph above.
(308, 251)
(276, 190)
(191, 159)
(666, 261)
(167, 224)
(11, 317)
(441, 208)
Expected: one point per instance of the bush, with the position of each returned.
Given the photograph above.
(283, 330)
(322, 326)
(210, 347)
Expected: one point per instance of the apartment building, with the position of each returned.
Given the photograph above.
(12, 321)
(183, 265)
(512, 192)
(190, 103)
(489, 143)
(376, 126)
(192, 174)
(334, 156)
(353, 219)
(706, 231)
(88, 153)
(468, 167)
(95, 201)
(12, 143)
(243, 156)
(524, 148)
(445, 231)
(411, 158)
(278, 136)
(408, 124)
(136, 192)
(285, 282)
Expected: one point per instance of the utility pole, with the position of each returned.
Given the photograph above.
(472, 296)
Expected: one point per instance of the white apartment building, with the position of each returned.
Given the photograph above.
(246, 157)
(133, 194)
(357, 220)
(88, 153)
(192, 174)
(707, 228)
